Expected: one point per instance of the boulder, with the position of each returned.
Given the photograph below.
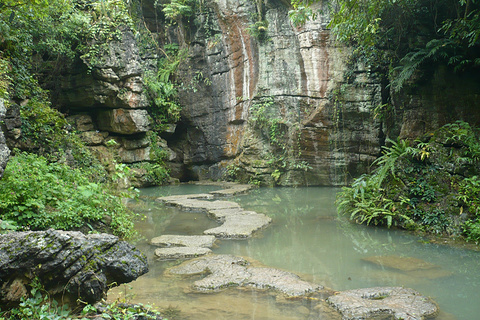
(70, 265)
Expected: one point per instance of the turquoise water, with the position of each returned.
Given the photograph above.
(305, 238)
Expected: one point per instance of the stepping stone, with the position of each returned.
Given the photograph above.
(203, 241)
(221, 214)
(288, 283)
(184, 197)
(234, 190)
(227, 271)
(240, 226)
(201, 205)
(373, 303)
(174, 253)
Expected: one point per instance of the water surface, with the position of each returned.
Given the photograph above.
(305, 238)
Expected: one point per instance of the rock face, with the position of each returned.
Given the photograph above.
(4, 151)
(106, 102)
(70, 265)
(300, 71)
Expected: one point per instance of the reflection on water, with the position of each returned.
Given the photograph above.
(305, 238)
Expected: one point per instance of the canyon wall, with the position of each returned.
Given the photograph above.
(263, 101)
(317, 127)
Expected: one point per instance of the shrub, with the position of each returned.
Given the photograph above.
(39, 195)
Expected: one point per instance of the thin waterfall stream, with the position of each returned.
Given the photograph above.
(306, 238)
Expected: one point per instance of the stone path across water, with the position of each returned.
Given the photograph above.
(227, 270)
(237, 223)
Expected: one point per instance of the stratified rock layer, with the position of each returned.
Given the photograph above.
(393, 302)
(68, 264)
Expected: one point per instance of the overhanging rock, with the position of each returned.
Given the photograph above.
(70, 265)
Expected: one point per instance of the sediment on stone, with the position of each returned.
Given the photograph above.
(230, 271)
(175, 253)
(396, 302)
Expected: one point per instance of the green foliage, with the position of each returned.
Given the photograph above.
(120, 311)
(178, 9)
(161, 86)
(431, 186)
(301, 12)
(405, 35)
(38, 306)
(63, 198)
(259, 30)
(157, 172)
(386, 163)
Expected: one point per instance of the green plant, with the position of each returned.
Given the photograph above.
(38, 306)
(64, 198)
(471, 230)
(259, 30)
(120, 311)
(178, 9)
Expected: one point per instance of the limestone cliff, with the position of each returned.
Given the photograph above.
(4, 151)
(263, 101)
(295, 77)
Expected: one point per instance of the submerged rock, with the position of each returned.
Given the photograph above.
(372, 303)
(413, 267)
(70, 265)
(230, 271)
(401, 263)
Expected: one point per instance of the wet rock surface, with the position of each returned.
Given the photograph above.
(376, 303)
(175, 253)
(238, 226)
(231, 271)
(183, 241)
(70, 265)
(237, 223)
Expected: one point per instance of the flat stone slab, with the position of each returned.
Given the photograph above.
(240, 226)
(221, 214)
(394, 302)
(174, 253)
(203, 241)
(203, 205)
(283, 281)
(230, 271)
(184, 197)
(232, 191)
